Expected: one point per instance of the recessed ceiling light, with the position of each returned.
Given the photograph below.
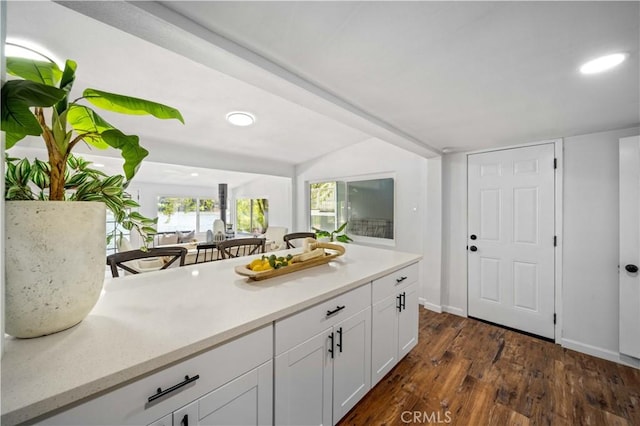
(194, 174)
(98, 165)
(240, 118)
(603, 63)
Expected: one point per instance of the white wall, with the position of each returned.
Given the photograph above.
(590, 241)
(432, 283)
(278, 190)
(3, 20)
(371, 157)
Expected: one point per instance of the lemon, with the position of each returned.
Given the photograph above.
(254, 263)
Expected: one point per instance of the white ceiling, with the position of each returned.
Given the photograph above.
(324, 75)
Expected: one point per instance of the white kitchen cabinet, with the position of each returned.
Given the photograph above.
(394, 320)
(219, 372)
(244, 401)
(318, 380)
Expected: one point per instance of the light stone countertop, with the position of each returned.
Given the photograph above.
(145, 322)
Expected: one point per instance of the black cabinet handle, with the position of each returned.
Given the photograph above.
(336, 310)
(339, 345)
(185, 420)
(160, 393)
(473, 237)
(331, 346)
(399, 302)
(631, 268)
(473, 248)
(399, 280)
(403, 300)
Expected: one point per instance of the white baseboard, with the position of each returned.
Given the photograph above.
(430, 306)
(453, 310)
(600, 353)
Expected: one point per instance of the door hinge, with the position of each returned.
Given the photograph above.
(554, 318)
(555, 163)
(555, 241)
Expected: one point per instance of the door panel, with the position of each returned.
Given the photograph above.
(630, 246)
(408, 321)
(303, 383)
(352, 362)
(384, 338)
(511, 197)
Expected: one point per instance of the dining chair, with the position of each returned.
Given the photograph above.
(169, 255)
(241, 247)
(297, 236)
(207, 248)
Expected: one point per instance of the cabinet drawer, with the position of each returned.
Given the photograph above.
(383, 287)
(129, 404)
(297, 328)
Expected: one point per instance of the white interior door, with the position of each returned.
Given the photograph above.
(630, 246)
(511, 227)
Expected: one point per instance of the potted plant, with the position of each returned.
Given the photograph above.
(334, 235)
(55, 213)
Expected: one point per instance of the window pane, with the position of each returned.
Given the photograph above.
(209, 210)
(176, 214)
(260, 215)
(323, 205)
(243, 215)
(371, 208)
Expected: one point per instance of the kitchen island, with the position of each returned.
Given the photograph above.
(145, 323)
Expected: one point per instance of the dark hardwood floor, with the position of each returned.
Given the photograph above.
(466, 372)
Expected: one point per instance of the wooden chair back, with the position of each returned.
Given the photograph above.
(297, 236)
(118, 260)
(241, 247)
(207, 249)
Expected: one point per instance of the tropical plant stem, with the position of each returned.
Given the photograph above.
(57, 160)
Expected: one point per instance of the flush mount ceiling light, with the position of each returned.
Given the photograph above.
(603, 63)
(194, 174)
(29, 50)
(240, 118)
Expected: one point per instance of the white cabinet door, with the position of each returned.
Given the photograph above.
(303, 388)
(630, 246)
(408, 320)
(351, 362)
(244, 401)
(165, 421)
(187, 415)
(384, 337)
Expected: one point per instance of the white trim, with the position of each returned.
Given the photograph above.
(559, 172)
(558, 151)
(430, 306)
(600, 353)
(453, 310)
(502, 148)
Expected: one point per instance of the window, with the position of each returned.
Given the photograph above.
(186, 214)
(252, 215)
(114, 231)
(366, 204)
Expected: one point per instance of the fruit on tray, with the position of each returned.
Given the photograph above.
(266, 263)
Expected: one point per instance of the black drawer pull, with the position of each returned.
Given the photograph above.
(162, 393)
(330, 350)
(339, 345)
(399, 280)
(336, 310)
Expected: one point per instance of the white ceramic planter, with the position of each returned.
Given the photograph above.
(55, 264)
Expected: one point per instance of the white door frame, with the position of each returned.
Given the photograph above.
(558, 151)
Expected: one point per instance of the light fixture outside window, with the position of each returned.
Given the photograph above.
(603, 63)
(240, 118)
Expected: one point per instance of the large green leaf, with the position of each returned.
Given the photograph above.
(39, 71)
(128, 105)
(66, 83)
(130, 148)
(16, 97)
(85, 120)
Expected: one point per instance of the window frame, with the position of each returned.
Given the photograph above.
(197, 198)
(390, 242)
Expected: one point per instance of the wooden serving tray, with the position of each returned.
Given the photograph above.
(263, 275)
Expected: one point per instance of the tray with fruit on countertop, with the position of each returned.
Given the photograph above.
(314, 254)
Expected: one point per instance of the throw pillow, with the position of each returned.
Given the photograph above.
(186, 237)
(168, 239)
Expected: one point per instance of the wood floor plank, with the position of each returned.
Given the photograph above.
(473, 373)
